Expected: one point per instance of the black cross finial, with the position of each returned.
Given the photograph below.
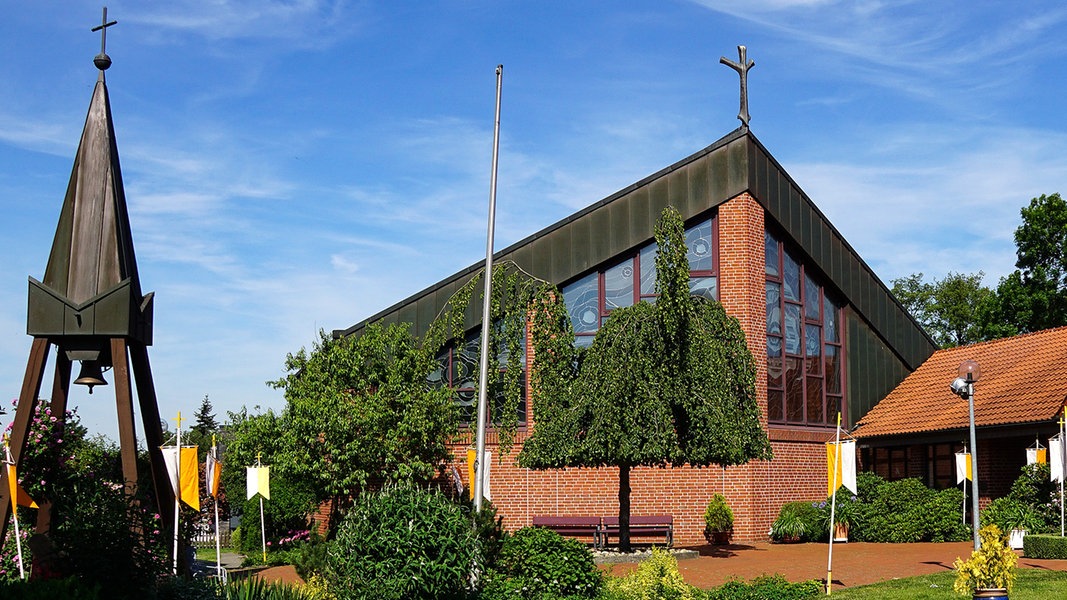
(102, 60)
(742, 68)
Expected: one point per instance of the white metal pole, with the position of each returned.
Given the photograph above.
(1063, 466)
(177, 492)
(262, 528)
(215, 501)
(10, 460)
(974, 466)
(833, 506)
(483, 370)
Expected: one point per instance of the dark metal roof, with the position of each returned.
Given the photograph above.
(91, 286)
(624, 221)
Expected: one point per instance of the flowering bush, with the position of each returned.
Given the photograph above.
(991, 566)
(9, 565)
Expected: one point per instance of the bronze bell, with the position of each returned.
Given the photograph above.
(91, 374)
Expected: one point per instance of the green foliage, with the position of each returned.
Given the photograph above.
(1034, 296)
(1044, 546)
(951, 310)
(358, 408)
(286, 513)
(656, 578)
(897, 512)
(718, 516)
(254, 588)
(49, 589)
(942, 519)
(767, 587)
(1008, 513)
(180, 588)
(1035, 489)
(665, 383)
(799, 522)
(538, 563)
(403, 543)
(992, 565)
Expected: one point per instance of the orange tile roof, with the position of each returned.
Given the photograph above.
(1023, 379)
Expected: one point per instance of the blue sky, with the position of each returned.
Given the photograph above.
(302, 164)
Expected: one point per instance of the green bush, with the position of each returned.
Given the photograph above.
(403, 542)
(768, 587)
(1007, 513)
(535, 562)
(897, 512)
(286, 512)
(718, 516)
(49, 589)
(800, 521)
(657, 578)
(1044, 546)
(178, 588)
(867, 485)
(943, 517)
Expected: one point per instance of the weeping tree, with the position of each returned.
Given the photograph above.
(669, 383)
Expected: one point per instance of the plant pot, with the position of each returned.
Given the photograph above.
(840, 532)
(990, 593)
(1015, 539)
(717, 538)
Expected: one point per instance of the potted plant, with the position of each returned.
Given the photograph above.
(718, 520)
(990, 571)
(846, 514)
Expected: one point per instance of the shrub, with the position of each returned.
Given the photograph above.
(799, 521)
(765, 588)
(943, 519)
(285, 513)
(49, 589)
(403, 542)
(1045, 546)
(990, 566)
(897, 512)
(1008, 513)
(657, 578)
(718, 516)
(535, 562)
(1035, 489)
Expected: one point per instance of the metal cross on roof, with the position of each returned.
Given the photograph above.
(102, 60)
(742, 68)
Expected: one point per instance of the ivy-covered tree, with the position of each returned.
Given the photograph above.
(359, 412)
(669, 383)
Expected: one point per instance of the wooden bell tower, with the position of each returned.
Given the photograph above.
(89, 307)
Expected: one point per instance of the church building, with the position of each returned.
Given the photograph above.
(826, 333)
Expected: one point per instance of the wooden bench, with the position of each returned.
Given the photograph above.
(644, 526)
(571, 526)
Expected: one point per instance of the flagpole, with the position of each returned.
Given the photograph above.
(177, 493)
(1063, 468)
(9, 460)
(964, 486)
(215, 500)
(833, 505)
(483, 371)
(262, 523)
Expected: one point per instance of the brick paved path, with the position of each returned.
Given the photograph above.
(855, 563)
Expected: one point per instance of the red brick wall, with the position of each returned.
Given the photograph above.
(755, 491)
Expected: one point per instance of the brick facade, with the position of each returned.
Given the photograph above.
(754, 491)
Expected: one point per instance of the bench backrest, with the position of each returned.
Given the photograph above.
(652, 520)
(552, 522)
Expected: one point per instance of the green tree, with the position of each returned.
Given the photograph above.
(205, 418)
(955, 311)
(1034, 296)
(669, 383)
(359, 412)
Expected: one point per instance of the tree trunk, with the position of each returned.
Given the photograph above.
(624, 508)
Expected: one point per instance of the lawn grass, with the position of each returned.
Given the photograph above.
(1031, 584)
(208, 554)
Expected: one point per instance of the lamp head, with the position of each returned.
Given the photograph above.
(969, 371)
(959, 387)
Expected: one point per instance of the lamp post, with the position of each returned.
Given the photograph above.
(963, 386)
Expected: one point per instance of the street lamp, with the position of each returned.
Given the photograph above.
(963, 386)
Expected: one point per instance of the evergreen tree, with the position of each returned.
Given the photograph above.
(205, 419)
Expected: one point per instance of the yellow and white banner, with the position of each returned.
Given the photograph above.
(1037, 456)
(472, 456)
(213, 472)
(258, 482)
(845, 470)
(1055, 455)
(963, 466)
(184, 474)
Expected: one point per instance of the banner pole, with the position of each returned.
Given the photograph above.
(177, 493)
(833, 505)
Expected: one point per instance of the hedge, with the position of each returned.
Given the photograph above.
(1044, 546)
